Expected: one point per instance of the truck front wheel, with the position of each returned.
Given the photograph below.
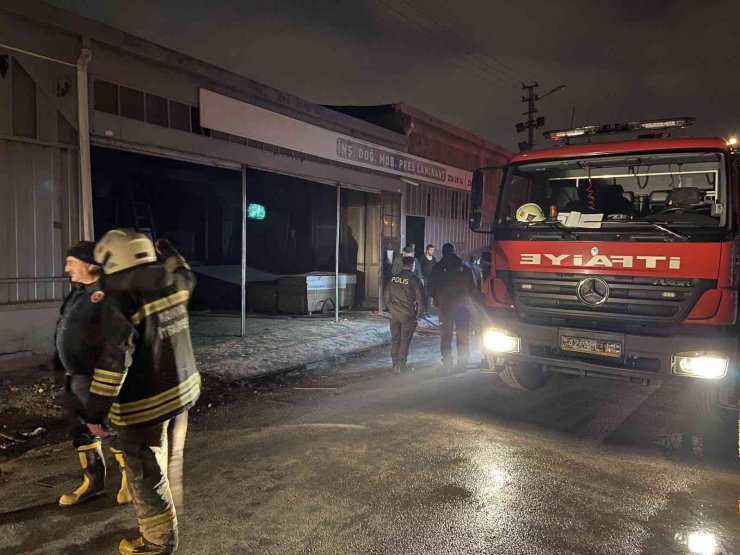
(523, 376)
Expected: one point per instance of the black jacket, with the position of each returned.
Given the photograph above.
(426, 267)
(404, 296)
(146, 372)
(452, 281)
(78, 340)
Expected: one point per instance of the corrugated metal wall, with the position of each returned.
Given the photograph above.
(39, 210)
(39, 220)
(445, 214)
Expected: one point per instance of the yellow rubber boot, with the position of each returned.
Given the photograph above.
(139, 547)
(124, 496)
(93, 478)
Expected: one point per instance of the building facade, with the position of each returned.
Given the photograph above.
(101, 129)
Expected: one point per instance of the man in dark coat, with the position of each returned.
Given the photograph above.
(452, 286)
(406, 300)
(78, 342)
(427, 263)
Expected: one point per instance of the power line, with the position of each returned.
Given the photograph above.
(437, 35)
(451, 58)
(516, 75)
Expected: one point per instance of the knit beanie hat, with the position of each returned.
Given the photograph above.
(83, 251)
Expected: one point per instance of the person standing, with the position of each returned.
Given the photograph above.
(407, 252)
(78, 342)
(406, 300)
(146, 378)
(427, 263)
(453, 288)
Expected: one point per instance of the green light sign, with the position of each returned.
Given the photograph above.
(256, 212)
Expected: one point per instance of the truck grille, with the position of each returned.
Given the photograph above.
(634, 298)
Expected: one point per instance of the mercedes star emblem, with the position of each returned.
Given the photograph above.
(592, 291)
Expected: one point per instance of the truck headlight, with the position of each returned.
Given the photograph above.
(500, 341)
(700, 364)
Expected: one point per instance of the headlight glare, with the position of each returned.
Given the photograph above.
(700, 364)
(500, 341)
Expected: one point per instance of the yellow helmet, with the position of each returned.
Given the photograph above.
(120, 250)
(529, 212)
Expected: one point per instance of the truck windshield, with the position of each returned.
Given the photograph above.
(676, 189)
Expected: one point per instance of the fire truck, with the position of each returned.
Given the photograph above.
(615, 259)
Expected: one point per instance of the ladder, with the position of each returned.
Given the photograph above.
(141, 209)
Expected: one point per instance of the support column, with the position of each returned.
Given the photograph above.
(83, 134)
(244, 253)
(336, 256)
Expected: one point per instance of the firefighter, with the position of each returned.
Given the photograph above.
(145, 378)
(406, 300)
(78, 343)
(453, 288)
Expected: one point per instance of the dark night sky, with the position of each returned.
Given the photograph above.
(621, 60)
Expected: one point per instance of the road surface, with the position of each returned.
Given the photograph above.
(358, 461)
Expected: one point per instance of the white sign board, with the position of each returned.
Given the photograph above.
(235, 117)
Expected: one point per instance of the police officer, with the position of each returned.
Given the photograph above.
(78, 343)
(452, 285)
(405, 298)
(146, 378)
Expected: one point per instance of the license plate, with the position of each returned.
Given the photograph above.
(589, 346)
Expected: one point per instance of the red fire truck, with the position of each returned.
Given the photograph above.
(616, 260)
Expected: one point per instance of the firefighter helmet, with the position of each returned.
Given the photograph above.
(529, 212)
(120, 249)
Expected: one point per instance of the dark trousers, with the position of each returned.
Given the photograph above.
(401, 333)
(454, 318)
(154, 459)
(77, 391)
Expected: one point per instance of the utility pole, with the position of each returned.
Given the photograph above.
(532, 123)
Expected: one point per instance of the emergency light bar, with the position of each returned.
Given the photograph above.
(648, 125)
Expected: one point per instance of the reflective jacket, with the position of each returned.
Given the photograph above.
(404, 296)
(146, 372)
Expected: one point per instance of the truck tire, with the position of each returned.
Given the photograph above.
(527, 377)
(706, 404)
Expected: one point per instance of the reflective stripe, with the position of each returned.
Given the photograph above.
(153, 414)
(175, 262)
(107, 376)
(159, 305)
(107, 382)
(105, 390)
(134, 406)
(90, 446)
(155, 520)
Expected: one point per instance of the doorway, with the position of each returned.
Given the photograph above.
(415, 229)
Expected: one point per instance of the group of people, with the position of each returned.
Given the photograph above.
(450, 284)
(123, 345)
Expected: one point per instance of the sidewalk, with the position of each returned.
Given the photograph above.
(277, 343)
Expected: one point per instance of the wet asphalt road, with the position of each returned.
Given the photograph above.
(416, 464)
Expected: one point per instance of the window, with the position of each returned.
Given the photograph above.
(132, 103)
(156, 110)
(106, 97)
(24, 102)
(179, 116)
